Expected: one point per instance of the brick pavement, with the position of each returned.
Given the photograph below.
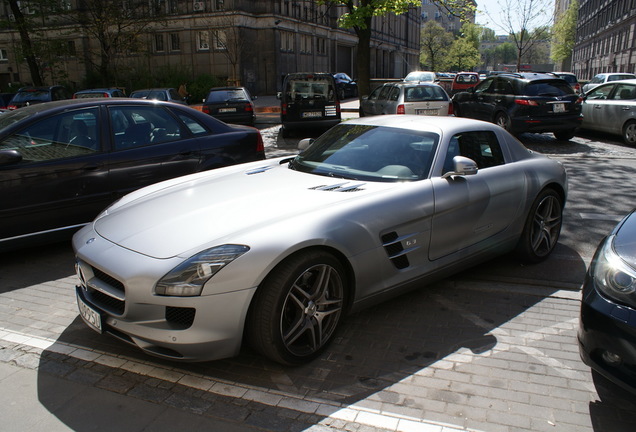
(463, 354)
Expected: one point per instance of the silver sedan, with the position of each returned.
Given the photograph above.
(277, 252)
(407, 98)
(611, 108)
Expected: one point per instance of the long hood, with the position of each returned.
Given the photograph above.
(171, 219)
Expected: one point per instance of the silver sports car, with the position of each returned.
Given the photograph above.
(276, 252)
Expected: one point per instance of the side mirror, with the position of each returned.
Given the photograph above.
(462, 166)
(10, 157)
(304, 143)
(278, 95)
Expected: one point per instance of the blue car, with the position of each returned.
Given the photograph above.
(99, 93)
(607, 331)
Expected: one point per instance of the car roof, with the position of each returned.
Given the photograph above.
(79, 103)
(628, 81)
(440, 125)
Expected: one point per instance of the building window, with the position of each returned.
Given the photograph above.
(173, 6)
(175, 43)
(219, 4)
(3, 55)
(159, 46)
(321, 46)
(203, 39)
(287, 41)
(305, 44)
(220, 40)
(70, 48)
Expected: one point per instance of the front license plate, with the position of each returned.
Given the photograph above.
(89, 315)
(311, 114)
(558, 108)
(226, 110)
(426, 112)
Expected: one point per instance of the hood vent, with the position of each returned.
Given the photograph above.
(258, 170)
(341, 187)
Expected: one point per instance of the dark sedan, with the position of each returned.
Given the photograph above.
(607, 332)
(346, 86)
(62, 162)
(230, 104)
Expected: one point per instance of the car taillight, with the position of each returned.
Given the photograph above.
(451, 111)
(205, 109)
(249, 107)
(526, 102)
(260, 147)
(12, 107)
(283, 109)
(400, 109)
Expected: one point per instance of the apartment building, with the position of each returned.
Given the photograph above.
(251, 42)
(605, 38)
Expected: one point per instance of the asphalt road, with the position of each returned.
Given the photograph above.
(491, 349)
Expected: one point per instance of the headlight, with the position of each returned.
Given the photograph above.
(613, 277)
(188, 278)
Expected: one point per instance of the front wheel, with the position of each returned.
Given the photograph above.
(629, 133)
(295, 312)
(543, 226)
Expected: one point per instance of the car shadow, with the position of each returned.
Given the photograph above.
(383, 354)
(614, 411)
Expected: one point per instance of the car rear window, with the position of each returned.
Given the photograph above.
(226, 96)
(418, 94)
(310, 88)
(548, 88)
(30, 95)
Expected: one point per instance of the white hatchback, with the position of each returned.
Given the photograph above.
(407, 98)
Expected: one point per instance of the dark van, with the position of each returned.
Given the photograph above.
(309, 100)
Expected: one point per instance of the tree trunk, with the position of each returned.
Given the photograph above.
(27, 46)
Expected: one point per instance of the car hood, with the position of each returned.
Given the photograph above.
(625, 240)
(177, 217)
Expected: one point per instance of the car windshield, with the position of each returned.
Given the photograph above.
(549, 88)
(226, 95)
(9, 118)
(420, 76)
(369, 153)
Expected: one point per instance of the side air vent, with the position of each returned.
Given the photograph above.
(258, 170)
(394, 248)
(341, 187)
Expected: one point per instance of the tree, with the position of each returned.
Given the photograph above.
(434, 43)
(463, 55)
(525, 21)
(564, 33)
(26, 44)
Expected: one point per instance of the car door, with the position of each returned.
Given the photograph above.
(369, 104)
(618, 108)
(383, 98)
(472, 210)
(61, 181)
(478, 104)
(595, 107)
(149, 145)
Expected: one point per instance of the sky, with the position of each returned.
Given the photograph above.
(493, 8)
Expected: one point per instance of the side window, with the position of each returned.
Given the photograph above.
(384, 94)
(484, 86)
(503, 87)
(375, 93)
(139, 126)
(193, 125)
(624, 92)
(395, 94)
(600, 92)
(480, 146)
(65, 135)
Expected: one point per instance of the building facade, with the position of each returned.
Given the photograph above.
(605, 38)
(254, 43)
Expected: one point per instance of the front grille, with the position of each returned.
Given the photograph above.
(103, 300)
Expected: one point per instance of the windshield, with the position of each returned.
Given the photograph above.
(9, 118)
(32, 95)
(370, 153)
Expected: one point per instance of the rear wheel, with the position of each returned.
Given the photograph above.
(629, 133)
(295, 312)
(502, 119)
(565, 135)
(543, 226)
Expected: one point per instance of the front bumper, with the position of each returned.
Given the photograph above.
(607, 337)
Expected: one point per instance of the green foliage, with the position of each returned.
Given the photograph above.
(360, 13)
(463, 56)
(564, 33)
(434, 42)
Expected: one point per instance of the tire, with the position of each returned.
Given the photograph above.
(502, 119)
(542, 228)
(565, 135)
(285, 132)
(629, 133)
(296, 311)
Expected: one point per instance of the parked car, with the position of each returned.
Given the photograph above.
(61, 163)
(99, 93)
(34, 95)
(345, 85)
(5, 100)
(523, 102)
(420, 76)
(464, 81)
(230, 104)
(405, 98)
(280, 250)
(309, 100)
(160, 94)
(607, 330)
(603, 78)
(611, 108)
(571, 79)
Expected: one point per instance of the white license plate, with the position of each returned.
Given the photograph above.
(89, 315)
(310, 114)
(226, 110)
(558, 108)
(426, 112)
